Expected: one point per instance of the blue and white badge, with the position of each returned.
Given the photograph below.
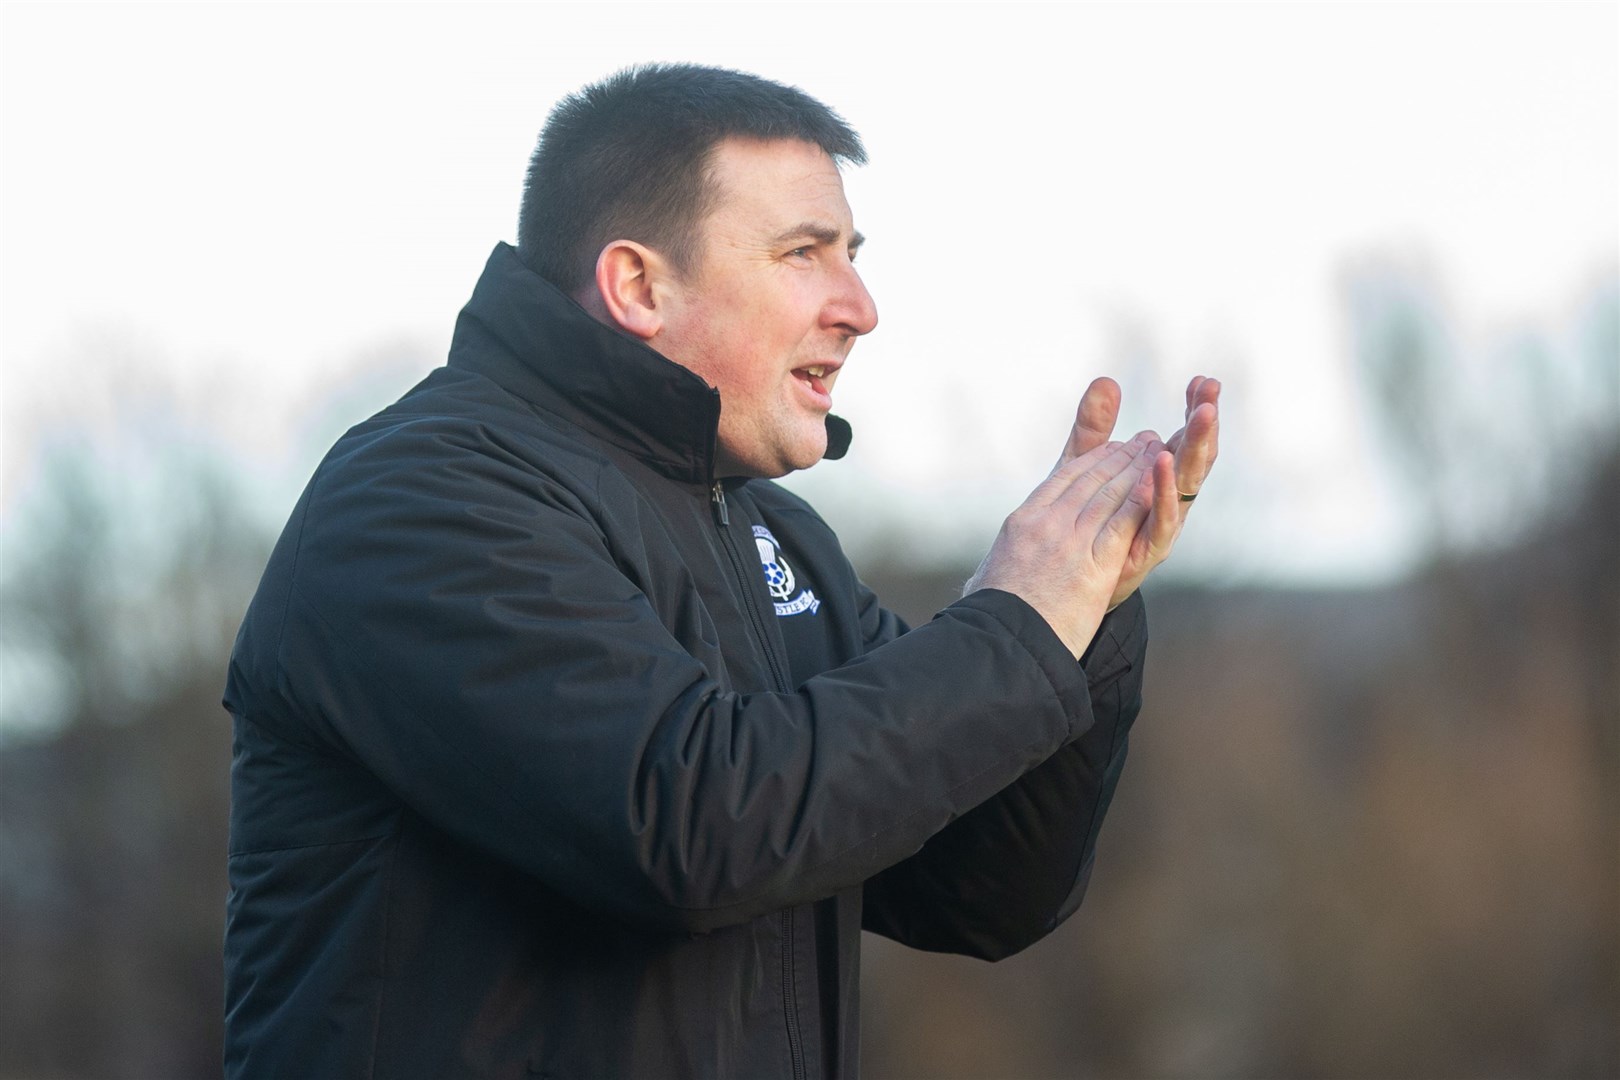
(779, 577)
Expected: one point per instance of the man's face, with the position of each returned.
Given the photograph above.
(773, 309)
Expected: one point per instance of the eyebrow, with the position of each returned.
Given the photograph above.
(819, 232)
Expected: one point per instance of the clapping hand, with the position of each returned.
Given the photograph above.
(1179, 468)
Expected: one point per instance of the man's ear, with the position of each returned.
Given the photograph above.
(630, 282)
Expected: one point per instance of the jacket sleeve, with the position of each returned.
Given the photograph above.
(456, 625)
(1009, 871)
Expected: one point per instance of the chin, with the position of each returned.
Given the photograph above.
(810, 453)
(769, 459)
(791, 461)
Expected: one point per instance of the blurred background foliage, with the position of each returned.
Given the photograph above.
(1364, 832)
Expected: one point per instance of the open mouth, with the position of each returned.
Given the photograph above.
(816, 376)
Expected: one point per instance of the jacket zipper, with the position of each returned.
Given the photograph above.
(722, 516)
(790, 996)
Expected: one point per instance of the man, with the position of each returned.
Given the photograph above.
(567, 744)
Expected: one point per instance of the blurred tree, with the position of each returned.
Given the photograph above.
(121, 593)
(1488, 439)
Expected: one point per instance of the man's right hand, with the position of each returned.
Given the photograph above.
(1062, 551)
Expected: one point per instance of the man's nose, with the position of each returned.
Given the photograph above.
(851, 306)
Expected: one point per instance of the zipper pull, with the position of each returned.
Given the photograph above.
(718, 496)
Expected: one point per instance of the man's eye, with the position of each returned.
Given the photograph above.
(800, 253)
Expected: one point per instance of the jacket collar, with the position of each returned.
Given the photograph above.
(534, 341)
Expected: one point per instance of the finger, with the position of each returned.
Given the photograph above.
(1080, 485)
(1066, 473)
(1076, 481)
(1136, 504)
(1191, 396)
(1164, 521)
(1100, 493)
(1195, 454)
(1207, 393)
(1200, 391)
(1201, 388)
(1094, 420)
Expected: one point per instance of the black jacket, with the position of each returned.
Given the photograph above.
(552, 756)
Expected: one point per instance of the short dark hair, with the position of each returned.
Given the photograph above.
(629, 157)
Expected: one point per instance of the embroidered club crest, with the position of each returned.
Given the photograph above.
(779, 577)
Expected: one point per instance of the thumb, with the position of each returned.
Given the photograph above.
(1093, 420)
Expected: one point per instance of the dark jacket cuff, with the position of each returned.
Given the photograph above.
(1031, 630)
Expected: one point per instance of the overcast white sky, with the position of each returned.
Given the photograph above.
(257, 200)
